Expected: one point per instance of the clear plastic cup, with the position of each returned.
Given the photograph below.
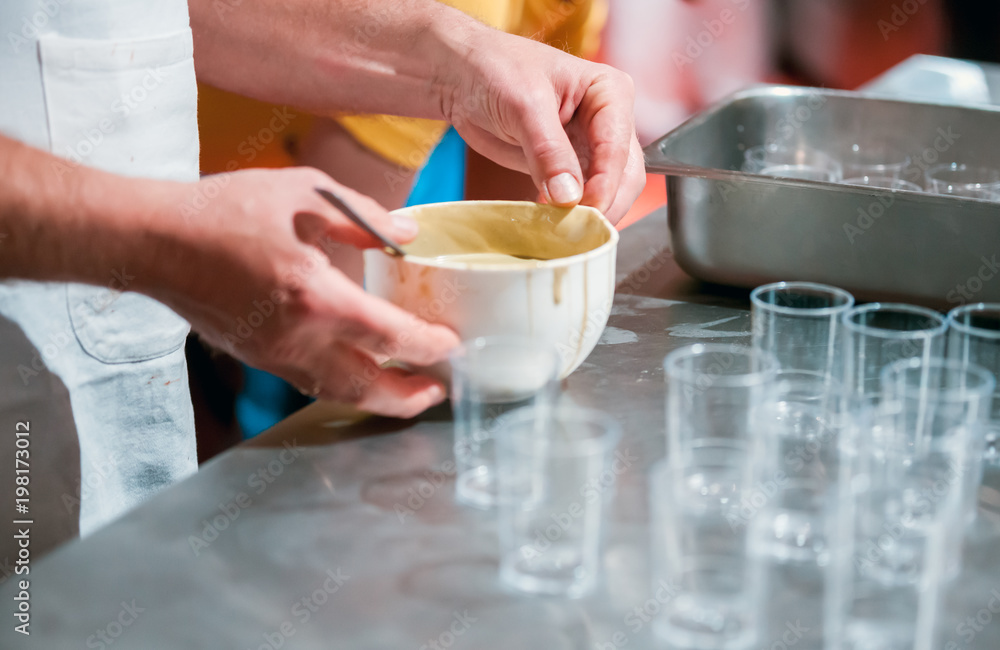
(555, 477)
(799, 467)
(797, 458)
(974, 339)
(713, 394)
(798, 323)
(878, 334)
(885, 182)
(960, 179)
(717, 595)
(935, 414)
(492, 376)
(879, 158)
(792, 162)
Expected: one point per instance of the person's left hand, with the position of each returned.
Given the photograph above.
(566, 121)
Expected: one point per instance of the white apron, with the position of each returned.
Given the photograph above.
(98, 374)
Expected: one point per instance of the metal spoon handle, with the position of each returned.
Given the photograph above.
(349, 212)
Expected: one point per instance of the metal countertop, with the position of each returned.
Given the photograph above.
(328, 532)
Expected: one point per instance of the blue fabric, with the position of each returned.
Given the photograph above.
(443, 177)
(265, 399)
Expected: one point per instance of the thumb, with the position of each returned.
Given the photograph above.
(552, 161)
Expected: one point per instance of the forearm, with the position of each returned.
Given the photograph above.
(65, 222)
(323, 55)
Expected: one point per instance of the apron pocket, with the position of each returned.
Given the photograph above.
(116, 327)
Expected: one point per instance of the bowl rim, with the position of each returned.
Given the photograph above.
(559, 262)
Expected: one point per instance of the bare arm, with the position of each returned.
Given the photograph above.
(565, 121)
(60, 221)
(261, 239)
(355, 55)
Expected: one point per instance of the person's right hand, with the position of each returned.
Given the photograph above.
(565, 121)
(253, 279)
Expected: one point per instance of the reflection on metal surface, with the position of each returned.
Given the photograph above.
(617, 336)
(702, 331)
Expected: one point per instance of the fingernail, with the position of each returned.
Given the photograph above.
(437, 394)
(564, 189)
(405, 227)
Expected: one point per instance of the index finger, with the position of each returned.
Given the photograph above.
(606, 118)
(382, 328)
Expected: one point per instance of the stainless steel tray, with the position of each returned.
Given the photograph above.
(744, 229)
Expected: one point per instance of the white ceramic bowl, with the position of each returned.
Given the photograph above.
(565, 301)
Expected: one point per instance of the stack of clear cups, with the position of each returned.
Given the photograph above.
(699, 541)
(796, 500)
(887, 593)
(974, 338)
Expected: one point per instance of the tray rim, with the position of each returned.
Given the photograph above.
(657, 163)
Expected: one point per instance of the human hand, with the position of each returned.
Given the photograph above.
(566, 121)
(254, 278)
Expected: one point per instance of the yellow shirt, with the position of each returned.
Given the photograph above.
(238, 132)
